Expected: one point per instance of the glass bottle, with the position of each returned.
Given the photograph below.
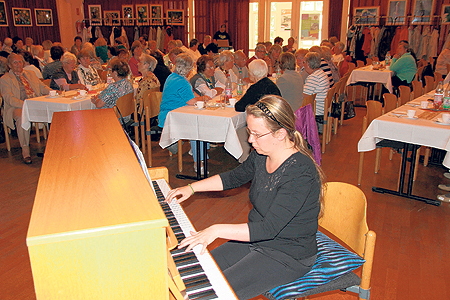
(240, 85)
(438, 95)
(446, 102)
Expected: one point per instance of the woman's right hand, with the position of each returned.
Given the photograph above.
(179, 194)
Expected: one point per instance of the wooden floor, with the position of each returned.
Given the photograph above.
(413, 239)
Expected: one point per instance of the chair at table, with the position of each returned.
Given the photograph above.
(351, 67)
(369, 61)
(390, 102)
(429, 84)
(125, 106)
(344, 218)
(46, 82)
(342, 96)
(405, 95)
(437, 78)
(360, 64)
(310, 99)
(151, 102)
(102, 74)
(327, 118)
(417, 89)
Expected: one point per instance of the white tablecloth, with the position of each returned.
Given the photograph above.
(414, 131)
(216, 126)
(41, 109)
(366, 74)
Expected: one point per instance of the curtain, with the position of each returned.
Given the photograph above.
(209, 15)
(179, 32)
(37, 33)
(335, 18)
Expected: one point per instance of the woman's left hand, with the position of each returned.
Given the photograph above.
(204, 237)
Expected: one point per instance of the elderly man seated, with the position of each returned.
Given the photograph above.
(16, 86)
(260, 53)
(240, 66)
(262, 85)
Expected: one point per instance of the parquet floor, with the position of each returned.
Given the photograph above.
(413, 238)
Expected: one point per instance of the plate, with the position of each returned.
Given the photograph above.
(415, 117)
(229, 105)
(78, 97)
(52, 97)
(439, 121)
(199, 108)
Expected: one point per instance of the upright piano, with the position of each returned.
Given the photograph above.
(97, 230)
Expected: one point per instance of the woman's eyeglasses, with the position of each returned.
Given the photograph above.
(257, 135)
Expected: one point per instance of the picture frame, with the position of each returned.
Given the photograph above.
(142, 14)
(43, 17)
(128, 15)
(445, 14)
(422, 12)
(396, 12)
(111, 18)
(156, 14)
(366, 15)
(3, 14)
(95, 14)
(175, 17)
(21, 16)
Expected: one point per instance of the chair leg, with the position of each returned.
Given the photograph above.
(377, 160)
(38, 134)
(324, 135)
(8, 143)
(143, 136)
(180, 156)
(336, 125)
(417, 164)
(391, 154)
(148, 136)
(44, 130)
(427, 156)
(360, 167)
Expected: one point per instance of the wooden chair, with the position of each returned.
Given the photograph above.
(326, 117)
(437, 78)
(418, 76)
(342, 91)
(369, 61)
(125, 106)
(374, 110)
(360, 64)
(47, 82)
(417, 89)
(429, 84)
(102, 74)
(375, 58)
(344, 219)
(310, 99)
(405, 95)
(351, 67)
(151, 102)
(390, 102)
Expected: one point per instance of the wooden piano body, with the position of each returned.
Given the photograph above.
(96, 229)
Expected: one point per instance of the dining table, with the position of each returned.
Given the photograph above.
(213, 123)
(369, 76)
(425, 128)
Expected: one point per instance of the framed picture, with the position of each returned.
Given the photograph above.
(396, 12)
(422, 11)
(21, 16)
(111, 17)
(43, 17)
(366, 15)
(175, 17)
(128, 15)
(445, 14)
(3, 16)
(95, 14)
(156, 14)
(142, 14)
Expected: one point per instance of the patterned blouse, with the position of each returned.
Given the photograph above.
(88, 75)
(114, 91)
(148, 82)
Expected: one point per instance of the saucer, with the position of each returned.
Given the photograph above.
(440, 121)
(78, 97)
(199, 108)
(415, 117)
(52, 97)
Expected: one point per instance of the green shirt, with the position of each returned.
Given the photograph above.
(405, 67)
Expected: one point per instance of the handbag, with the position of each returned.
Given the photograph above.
(349, 110)
(335, 110)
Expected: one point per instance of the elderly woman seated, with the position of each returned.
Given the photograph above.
(66, 78)
(86, 73)
(204, 83)
(262, 85)
(149, 81)
(272, 59)
(136, 52)
(291, 82)
(120, 87)
(225, 68)
(178, 92)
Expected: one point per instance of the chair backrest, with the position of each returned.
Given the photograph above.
(429, 84)
(374, 110)
(351, 67)
(102, 74)
(152, 100)
(344, 84)
(344, 214)
(405, 95)
(47, 82)
(310, 99)
(437, 78)
(375, 58)
(360, 64)
(417, 88)
(390, 102)
(124, 105)
(419, 73)
(369, 61)
(328, 100)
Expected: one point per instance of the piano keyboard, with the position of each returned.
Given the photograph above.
(200, 274)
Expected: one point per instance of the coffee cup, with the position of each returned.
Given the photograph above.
(388, 67)
(89, 87)
(232, 101)
(446, 117)
(199, 104)
(424, 104)
(52, 93)
(82, 93)
(411, 113)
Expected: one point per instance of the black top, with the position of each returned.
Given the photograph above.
(161, 72)
(263, 87)
(285, 203)
(201, 49)
(222, 36)
(60, 73)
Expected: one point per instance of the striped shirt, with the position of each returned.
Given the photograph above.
(326, 68)
(317, 83)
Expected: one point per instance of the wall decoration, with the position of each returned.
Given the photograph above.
(142, 14)
(445, 14)
(422, 11)
(21, 16)
(3, 16)
(43, 17)
(95, 14)
(175, 17)
(310, 28)
(366, 15)
(111, 17)
(156, 17)
(128, 15)
(396, 12)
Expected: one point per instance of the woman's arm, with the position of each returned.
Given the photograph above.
(206, 185)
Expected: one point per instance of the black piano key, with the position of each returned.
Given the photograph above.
(203, 295)
(186, 262)
(192, 281)
(184, 256)
(191, 270)
(197, 285)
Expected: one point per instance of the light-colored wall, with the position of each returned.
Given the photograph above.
(69, 11)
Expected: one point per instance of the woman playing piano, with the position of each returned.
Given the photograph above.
(278, 244)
